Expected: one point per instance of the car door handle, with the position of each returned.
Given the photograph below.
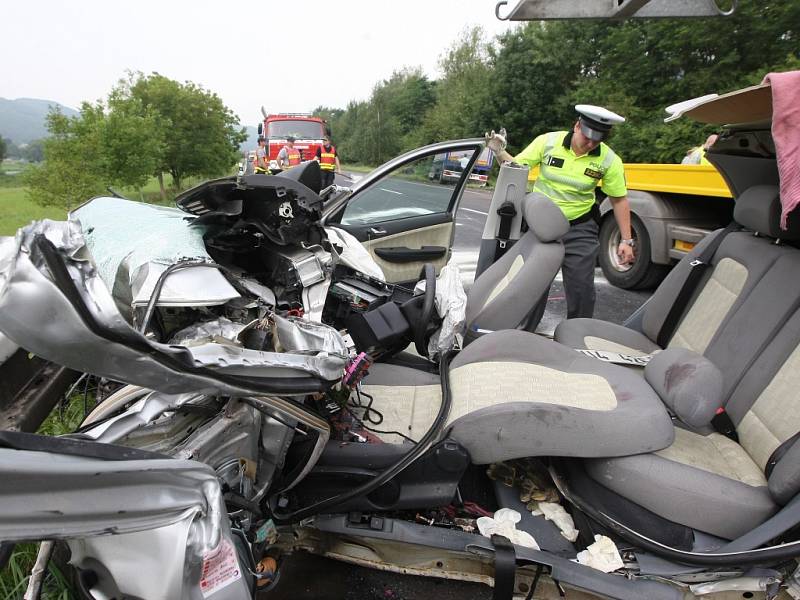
(402, 254)
(377, 231)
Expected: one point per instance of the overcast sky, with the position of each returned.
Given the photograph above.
(287, 56)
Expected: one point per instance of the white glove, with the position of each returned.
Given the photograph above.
(496, 142)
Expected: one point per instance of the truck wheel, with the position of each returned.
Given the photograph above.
(643, 273)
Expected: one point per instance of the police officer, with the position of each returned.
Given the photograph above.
(572, 164)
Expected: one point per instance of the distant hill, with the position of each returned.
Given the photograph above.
(251, 143)
(23, 120)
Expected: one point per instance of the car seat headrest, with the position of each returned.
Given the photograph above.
(759, 208)
(544, 218)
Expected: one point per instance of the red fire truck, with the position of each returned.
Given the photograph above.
(307, 131)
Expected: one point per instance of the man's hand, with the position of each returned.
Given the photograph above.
(625, 254)
(496, 142)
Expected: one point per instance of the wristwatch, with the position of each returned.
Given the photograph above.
(631, 242)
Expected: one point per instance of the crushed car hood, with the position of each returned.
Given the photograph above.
(54, 303)
(133, 243)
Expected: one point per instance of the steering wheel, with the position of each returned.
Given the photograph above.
(421, 326)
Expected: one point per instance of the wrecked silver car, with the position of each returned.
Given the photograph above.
(264, 403)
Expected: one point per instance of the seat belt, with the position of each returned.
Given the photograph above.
(505, 568)
(779, 453)
(722, 422)
(699, 266)
(506, 211)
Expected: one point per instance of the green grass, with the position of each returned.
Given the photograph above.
(357, 168)
(17, 210)
(14, 578)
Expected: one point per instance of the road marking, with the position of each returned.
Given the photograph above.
(476, 211)
(391, 191)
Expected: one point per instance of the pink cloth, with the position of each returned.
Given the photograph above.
(786, 133)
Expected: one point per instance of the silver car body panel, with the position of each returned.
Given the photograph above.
(7, 348)
(116, 514)
(63, 312)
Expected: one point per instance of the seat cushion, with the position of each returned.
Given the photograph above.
(516, 394)
(594, 334)
(707, 482)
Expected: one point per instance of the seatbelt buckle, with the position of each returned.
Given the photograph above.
(723, 424)
(696, 262)
(503, 243)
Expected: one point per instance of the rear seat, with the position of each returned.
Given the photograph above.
(736, 309)
(746, 320)
(710, 482)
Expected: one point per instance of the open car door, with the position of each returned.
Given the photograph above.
(403, 211)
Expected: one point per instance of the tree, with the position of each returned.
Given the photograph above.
(87, 153)
(331, 116)
(202, 137)
(463, 92)
(530, 78)
(2, 148)
(72, 170)
(133, 142)
(371, 132)
(34, 151)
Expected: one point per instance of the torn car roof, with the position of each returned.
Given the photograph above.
(749, 105)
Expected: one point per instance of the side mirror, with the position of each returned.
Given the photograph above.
(260, 129)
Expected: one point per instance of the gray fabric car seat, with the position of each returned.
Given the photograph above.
(711, 483)
(517, 394)
(505, 295)
(753, 279)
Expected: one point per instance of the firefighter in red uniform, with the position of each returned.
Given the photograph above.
(289, 156)
(328, 161)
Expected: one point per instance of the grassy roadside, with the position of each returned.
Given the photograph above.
(17, 210)
(14, 578)
(357, 168)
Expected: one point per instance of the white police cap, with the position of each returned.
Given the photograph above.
(596, 121)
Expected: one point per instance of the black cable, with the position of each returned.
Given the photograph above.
(392, 471)
(375, 421)
(361, 423)
(535, 582)
(378, 419)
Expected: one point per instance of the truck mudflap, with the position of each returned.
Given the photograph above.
(146, 526)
